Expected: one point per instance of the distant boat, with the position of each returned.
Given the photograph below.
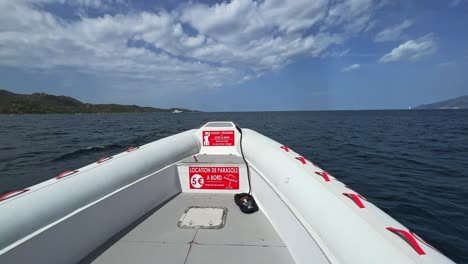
(177, 111)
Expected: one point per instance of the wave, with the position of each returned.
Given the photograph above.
(85, 151)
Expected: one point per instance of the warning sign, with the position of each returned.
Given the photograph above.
(214, 177)
(218, 138)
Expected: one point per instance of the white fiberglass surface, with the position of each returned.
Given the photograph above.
(159, 239)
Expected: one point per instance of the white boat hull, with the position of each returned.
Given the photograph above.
(316, 217)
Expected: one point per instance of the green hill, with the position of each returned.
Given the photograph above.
(41, 103)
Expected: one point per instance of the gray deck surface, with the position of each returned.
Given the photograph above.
(158, 239)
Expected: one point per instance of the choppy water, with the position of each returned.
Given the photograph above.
(412, 164)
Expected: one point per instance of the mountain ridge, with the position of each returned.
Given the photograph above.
(455, 103)
(42, 103)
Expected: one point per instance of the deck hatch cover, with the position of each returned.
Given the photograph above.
(197, 217)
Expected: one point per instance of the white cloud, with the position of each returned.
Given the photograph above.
(412, 49)
(393, 32)
(259, 36)
(192, 47)
(335, 53)
(351, 68)
(81, 3)
(353, 15)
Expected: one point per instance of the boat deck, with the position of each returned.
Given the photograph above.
(159, 239)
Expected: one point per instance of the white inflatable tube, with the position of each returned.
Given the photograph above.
(345, 232)
(49, 201)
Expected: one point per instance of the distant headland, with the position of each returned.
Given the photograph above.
(41, 103)
(456, 103)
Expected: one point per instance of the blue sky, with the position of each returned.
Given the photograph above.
(239, 55)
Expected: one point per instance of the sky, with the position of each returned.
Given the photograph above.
(239, 55)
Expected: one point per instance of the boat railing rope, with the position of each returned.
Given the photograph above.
(285, 148)
(12, 194)
(324, 174)
(65, 174)
(130, 149)
(356, 199)
(409, 238)
(104, 159)
(301, 159)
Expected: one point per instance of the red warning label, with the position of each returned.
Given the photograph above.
(218, 138)
(214, 178)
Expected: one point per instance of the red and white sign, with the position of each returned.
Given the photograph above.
(218, 138)
(219, 178)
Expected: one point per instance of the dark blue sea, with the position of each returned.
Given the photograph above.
(412, 164)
